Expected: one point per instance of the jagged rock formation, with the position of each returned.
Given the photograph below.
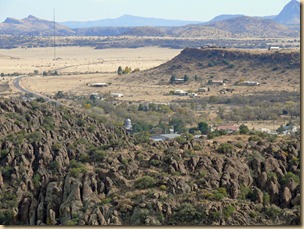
(61, 167)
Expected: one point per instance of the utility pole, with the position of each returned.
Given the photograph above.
(54, 36)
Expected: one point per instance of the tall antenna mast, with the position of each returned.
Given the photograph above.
(54, 36)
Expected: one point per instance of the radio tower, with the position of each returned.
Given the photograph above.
(54, 36)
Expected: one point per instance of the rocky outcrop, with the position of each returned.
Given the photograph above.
(71, 176)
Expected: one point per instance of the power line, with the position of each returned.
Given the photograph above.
(54, 36)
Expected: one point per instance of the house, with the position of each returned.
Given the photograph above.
(180, 92)
(216, 82)
(193, 95)
(203, 89)
(250, 83)
(265, 130)
(95, 96)
(179, 81)
(274, 48)
(99, 85)
(163, 137)
(116, 95)
(225, 90)
(289, 129)
(228, 128)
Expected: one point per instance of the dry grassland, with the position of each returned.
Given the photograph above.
(84, 59)
(73, 60)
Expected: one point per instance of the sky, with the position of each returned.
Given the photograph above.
(85, 10)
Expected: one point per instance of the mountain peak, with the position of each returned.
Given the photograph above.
(10, 20)
(32, 17)
(290, 13)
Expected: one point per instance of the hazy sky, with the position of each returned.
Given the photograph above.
(81, 10)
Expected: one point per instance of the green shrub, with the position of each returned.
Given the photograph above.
(80, 122)
(56, 147)
(54, 166)
(83, 157)
(273, 211)
(139, 216)
(34, 137)
(6, 217)
(7, 171)
(97, 155)
(289, 176)
(154, 162)
(36, 180)
(228, 210)
(91, 128)
(187, 213)
(254, 138)
(220, 194)
(163, 187)
(105, 201)
(271, 174)
(145, 182)
(244, 191)
(76, 168)
(49, 123)
(244, 129)
(225, 148)
(3, 154)
(266, 198)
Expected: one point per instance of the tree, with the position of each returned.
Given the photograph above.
(172, 79)
(127, 70)
(244, 129)
(203, 127)
(178, 124)
(186, 78)
(36, 72)
(59, 95)
(119, 71)
(142, 107)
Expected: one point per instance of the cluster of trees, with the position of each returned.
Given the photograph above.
(186, 78)
(126, 70)
(50, 73)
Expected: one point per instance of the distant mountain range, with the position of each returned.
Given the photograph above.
(290, 15)
(286, 24)
(127, 21)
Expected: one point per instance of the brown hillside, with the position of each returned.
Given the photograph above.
(272, 67)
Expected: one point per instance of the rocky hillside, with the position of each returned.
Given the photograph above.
(61, 167)
(272, 67)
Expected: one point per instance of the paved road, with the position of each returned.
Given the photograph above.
(16, 84)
